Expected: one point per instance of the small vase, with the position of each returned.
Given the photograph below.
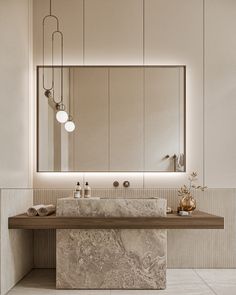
(187, 203)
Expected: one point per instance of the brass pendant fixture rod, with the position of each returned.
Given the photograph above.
(59, 33)
(49, 91)
(46, 18)
(69, 101)
(69, 125)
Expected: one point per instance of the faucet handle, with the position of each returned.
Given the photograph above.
(116, 183)
(126, 183)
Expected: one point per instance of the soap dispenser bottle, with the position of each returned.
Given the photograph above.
(78, 191)
(87, 190)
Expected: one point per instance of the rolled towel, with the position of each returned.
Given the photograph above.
(33, 211)
(46, 210)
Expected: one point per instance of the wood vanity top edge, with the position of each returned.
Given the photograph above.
(198, 220)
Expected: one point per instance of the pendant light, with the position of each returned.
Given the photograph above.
(61, 114)
(70, 125)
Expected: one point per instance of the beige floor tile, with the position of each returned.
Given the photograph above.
(188, 289)
(182, 277)
(42, 281)
(131, 292)
(223, 289)
(44, 291)
(39, 279)
(222, 281)
(179, 281)
(216, 276)
(194, 289)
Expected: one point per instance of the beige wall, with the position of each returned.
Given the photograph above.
(15, 84)
(220, 92)
(111, 32)
(15, 138)
(16, 247)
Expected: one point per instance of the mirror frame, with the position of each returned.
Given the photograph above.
(38, 67)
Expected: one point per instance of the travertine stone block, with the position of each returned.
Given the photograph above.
(111, 258)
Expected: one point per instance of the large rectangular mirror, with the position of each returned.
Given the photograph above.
(127, 118)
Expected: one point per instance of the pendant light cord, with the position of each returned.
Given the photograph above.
(48, 16)
(56, 32)
(50, 7)
(69, 102)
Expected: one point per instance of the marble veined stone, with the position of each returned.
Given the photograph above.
(111, 258)
(111, 207)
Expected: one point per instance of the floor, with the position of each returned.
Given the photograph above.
(180, 281)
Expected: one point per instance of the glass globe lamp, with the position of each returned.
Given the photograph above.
(61, 114)
(70, 126)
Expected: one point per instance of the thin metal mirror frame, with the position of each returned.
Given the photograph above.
(108, 66)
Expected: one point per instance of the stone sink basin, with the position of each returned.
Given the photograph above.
(94, 207)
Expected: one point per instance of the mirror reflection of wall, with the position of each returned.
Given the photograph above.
(127, 118)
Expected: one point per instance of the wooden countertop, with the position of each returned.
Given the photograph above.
(198, 220)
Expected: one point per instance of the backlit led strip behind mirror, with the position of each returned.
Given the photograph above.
(120, 119)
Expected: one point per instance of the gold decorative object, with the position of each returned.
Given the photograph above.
(187, 202)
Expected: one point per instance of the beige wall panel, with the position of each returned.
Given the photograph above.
(113, 32)
(70, 14)
(126, 119)
(162, 105)
(174, 36)
(105, 180)
(220, 93)
(14, 77)
(57, 180)
(16, 245)
(110, 40)
(91, 133)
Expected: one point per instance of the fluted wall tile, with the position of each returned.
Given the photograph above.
(45, 248)
(186, 248)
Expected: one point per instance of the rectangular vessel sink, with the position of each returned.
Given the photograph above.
(111, 207)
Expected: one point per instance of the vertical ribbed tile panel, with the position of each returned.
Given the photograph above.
(45, 240)
(186, 248)
(207, 248)
(50, 196)
(45, 248)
